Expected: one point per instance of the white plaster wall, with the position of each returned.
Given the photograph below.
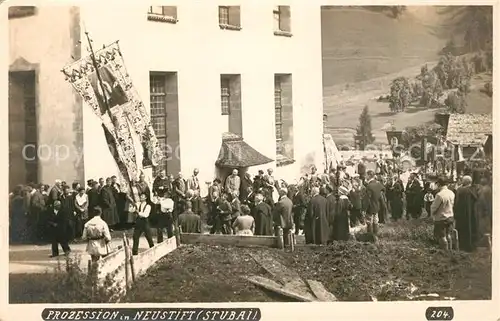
(199, 51)
(44, 39)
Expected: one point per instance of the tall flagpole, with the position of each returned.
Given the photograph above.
(98, 74)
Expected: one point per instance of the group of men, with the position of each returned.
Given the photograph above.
(321, 206)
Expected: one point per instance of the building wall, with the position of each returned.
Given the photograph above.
(45, 42)
(199, 51)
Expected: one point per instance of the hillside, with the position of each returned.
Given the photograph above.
(360, 44)
(363, 51)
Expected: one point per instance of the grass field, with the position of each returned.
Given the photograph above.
(363, 51)
(343, 118)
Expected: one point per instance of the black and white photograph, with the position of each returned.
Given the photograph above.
(250, 152)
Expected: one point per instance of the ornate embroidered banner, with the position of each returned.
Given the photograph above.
(114, 99)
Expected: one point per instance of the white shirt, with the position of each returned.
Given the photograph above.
(166, 205)
(81, 199)
(442, 206)
(144, 210)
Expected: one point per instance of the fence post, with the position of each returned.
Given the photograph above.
(281, 244)
(292, 240)
(488, 240)
(127, 260)
(131, 257)
(177, 232)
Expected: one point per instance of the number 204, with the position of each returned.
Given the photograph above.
(439, 313)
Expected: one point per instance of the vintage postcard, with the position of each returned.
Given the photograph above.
(188, 160)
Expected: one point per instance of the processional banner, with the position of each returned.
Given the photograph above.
(113, 98)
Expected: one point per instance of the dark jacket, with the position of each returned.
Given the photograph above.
(374, 196)
(262, 214)
(283, 213)
(190, 222)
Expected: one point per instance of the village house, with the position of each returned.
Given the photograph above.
(469, 134)
(250, 74)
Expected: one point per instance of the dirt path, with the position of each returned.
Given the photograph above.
(35, 258)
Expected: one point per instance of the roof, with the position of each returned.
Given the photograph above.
(236, 153)
(469, 129)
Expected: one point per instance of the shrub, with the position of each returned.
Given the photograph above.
(401, 94)
(64, 285)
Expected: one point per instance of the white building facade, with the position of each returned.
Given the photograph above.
(253, 70)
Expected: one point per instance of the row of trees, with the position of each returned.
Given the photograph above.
(451, 73)
(456, 65)
(411, 134)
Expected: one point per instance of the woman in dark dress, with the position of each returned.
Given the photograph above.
(396, 191)
(18, 218)
(464, 210)
(341, 220)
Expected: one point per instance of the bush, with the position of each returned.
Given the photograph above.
(401, 94)
(64, 285)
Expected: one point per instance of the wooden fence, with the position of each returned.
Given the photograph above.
(121, 268)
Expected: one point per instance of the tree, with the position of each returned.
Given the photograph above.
(456, 103)
(401, 94)
(364, 134)
(431, 87)
(414, 134)
(474, 23)
(397, 11)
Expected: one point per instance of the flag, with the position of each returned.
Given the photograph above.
(113, 98)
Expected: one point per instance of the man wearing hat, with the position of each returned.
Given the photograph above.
(373, 201)
(61, 228)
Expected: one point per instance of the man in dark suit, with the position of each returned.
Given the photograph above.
(36, 210)
(299, 209)
(283, 215)
(373, 202)
(317, 226)
(331, 200)
(189, 221)
(262, 214)
(414, 197)
(60, 229)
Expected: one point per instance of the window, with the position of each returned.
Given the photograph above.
(282, 26)
(229, 17)
(163, 14)
(225, 95)
(158, 105)
(283, 116)
(21, 11)
(278, 115)
(164, 110)
(231, 102)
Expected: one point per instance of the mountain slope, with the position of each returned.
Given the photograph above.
(361, 44)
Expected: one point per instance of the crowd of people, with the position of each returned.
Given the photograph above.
(322, 206)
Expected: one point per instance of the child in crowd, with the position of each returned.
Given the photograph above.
(428, 199)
